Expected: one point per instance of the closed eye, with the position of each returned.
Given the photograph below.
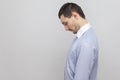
(64, 23)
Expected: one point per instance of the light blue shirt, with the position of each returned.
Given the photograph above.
(82, 59)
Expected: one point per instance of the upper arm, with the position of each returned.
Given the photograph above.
(85, 62)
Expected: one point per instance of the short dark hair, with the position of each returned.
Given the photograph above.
(68, 8)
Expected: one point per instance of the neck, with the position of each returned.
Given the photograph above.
(81, 23)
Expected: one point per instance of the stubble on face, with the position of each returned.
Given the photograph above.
(69, 23)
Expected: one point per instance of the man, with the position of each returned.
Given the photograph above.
(82, 59)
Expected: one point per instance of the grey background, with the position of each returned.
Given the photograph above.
(34, 44)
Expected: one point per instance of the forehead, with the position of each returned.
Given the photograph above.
(63, 18)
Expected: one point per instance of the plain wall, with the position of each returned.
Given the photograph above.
(34, 44)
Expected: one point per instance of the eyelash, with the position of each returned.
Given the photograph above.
(65, 23)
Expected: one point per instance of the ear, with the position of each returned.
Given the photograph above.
(75, 15)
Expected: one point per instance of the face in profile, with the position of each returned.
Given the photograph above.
(68, 23)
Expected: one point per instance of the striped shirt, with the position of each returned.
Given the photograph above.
(82, 58)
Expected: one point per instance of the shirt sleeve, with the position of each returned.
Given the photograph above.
(84, 63)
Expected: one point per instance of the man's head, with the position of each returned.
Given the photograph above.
(71, 16)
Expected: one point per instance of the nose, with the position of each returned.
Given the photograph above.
(66, 28)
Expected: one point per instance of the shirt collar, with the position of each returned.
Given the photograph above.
(82, 30)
